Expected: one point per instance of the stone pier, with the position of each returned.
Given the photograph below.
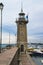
(11, 57)
(26, 60)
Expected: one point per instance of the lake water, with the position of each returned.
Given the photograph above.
(37, 60)
(4, 45)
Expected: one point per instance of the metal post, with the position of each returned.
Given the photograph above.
(1, 32)
(9, 40)
(1, 8)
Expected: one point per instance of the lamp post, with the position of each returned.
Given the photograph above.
(1, 8)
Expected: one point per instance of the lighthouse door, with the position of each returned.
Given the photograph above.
(22, 48)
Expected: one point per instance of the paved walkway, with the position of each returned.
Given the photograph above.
(7, 56)
(26, 60)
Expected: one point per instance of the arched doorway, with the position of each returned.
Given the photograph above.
(22, 48)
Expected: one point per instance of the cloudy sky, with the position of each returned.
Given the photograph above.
(34, 9)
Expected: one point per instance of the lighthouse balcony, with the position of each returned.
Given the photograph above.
(24, 20)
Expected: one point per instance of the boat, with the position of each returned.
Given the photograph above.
(30, 49)
(37, 52)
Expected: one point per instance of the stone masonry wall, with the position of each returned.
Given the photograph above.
(15, 59)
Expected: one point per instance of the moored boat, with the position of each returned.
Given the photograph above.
(37, 52)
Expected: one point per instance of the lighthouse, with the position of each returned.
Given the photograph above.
(22, 31)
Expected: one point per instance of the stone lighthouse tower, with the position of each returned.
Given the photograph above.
(22, 31)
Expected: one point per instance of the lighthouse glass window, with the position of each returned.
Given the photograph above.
(22, 16)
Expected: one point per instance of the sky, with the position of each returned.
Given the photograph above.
(34, 9)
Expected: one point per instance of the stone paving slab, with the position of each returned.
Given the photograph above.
(7, 56)
(26, 60)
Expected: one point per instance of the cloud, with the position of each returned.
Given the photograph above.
(35, 39)
(10, 28)
(5, 38)
(13, 38)
(32, 7)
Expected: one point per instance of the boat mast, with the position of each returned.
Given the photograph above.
(9, 39)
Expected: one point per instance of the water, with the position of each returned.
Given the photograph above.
(37, 59)
(4, 45)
